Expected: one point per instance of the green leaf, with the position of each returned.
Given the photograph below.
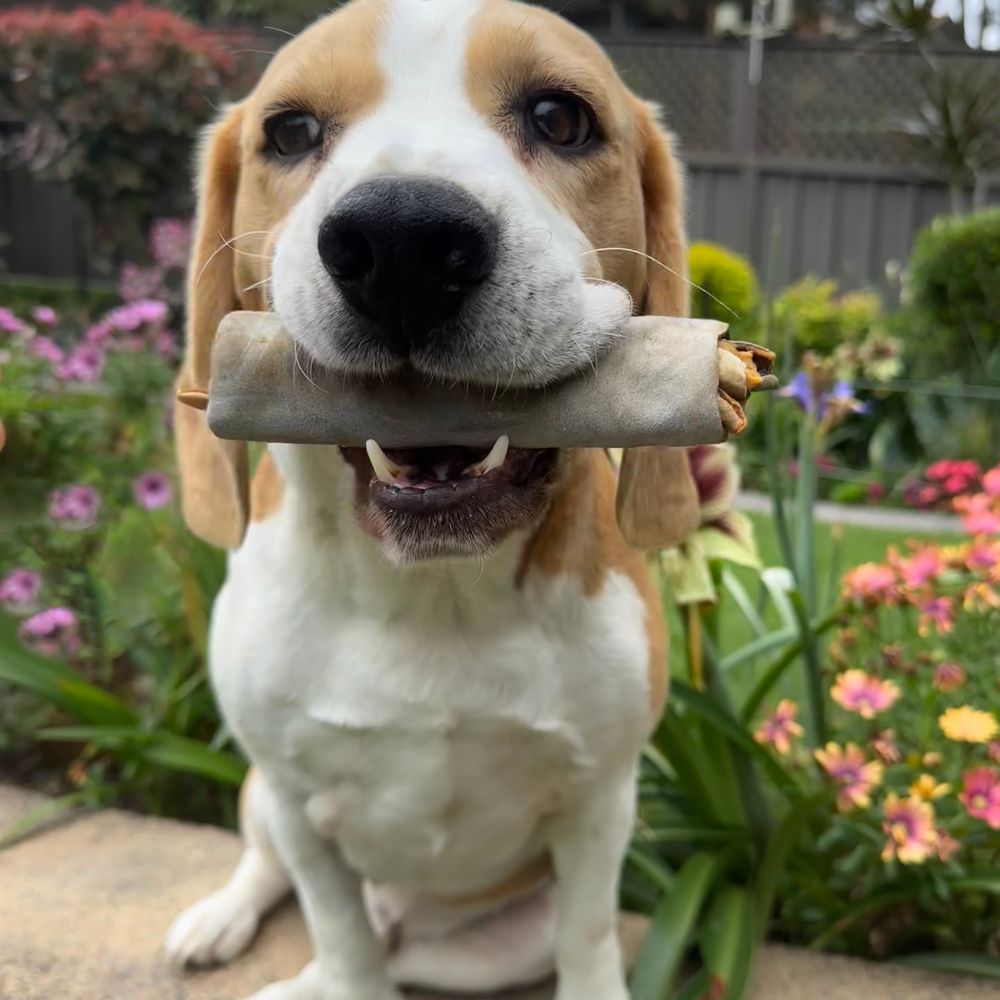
(741, 598)
(652, 868)
(774, 861)
(727, 943)
(673, 922)
(697, 775)
(854, 913)
(958, 962)
(759, 646)
(178, 753)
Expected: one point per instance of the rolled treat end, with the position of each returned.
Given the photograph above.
(659, 384)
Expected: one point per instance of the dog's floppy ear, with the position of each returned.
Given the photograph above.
(657, 499)
(214, 491)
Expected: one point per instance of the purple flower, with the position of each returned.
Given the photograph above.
(835, 404)
(136, 283)
(165, 343)
(84, 364)
(169, 241)
(19, 591)
(51, 632)
(152, 490)
(45, 315)
(45, 348)
(75, 507)
(131, 317)
(98, 333)
(800, 389)
(9, 323)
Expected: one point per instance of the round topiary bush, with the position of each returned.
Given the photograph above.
(724, 279)
(953, 294)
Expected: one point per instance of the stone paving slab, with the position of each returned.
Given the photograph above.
(85, 905)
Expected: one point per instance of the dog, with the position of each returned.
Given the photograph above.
(443, 663)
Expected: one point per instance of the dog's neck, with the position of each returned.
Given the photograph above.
(319, 505)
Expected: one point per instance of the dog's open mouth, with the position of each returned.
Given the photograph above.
(449, 500)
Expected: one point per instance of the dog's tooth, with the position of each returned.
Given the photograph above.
(385, 469)
(496, 457)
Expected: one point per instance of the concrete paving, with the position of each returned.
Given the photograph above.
(85, 904)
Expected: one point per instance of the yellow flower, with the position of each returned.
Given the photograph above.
(926, 787)
(970, 725)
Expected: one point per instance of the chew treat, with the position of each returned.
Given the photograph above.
(665, 382)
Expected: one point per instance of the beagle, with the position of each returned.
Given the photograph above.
(442, 662)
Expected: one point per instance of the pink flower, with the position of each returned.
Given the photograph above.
(45, 315)
(922, 567)
(886, 748)
(780, 728)
(51, 632)
(19, 591)
(136, 283)
(909, 825)
(947, 845)
(870, 583)
(876, 492)
(854, 777)
(856, 691)
(130, 317)
(935, 612)
(75, 507)
(947, 468)
(152, 490)
(991, 482)
(9, 323)
(98, 334)
(164, 343)
(984, 556)
(170, 241)
(949, 677)
(993, 751)
(978, 517)
(45, 348)
(981, 795)
(84, 364)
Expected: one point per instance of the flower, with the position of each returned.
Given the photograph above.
(19, 591)
(98, 333)
(84, 364)
(947, 469)
(968, 725)
(74, 507)
(909, 825)
(921, 568)
(51, 632)
(152, 490)
(981, 795)
(935, 611)
(870, 583)
(133, 315)
(46, 349)
(164, 343)
(991, 482)
(984, 556)
(980, 597)
(854, 777)
(169, 242)
(781, 728)
(993, 751)
(978, 516)
(949, 677)
(45, 315)
(886, 748)
(947, 845)
(859, 692)
(932, 759)
(136, 283)
(926, 787)
(9, 323)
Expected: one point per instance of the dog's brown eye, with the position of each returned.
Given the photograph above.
(562, 120)
(293, 133)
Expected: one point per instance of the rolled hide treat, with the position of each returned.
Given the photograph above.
(667, 381)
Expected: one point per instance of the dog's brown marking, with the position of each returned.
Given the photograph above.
(266, 490)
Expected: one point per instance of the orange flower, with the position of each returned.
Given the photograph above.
(926, 787)
(862, 693)
(854, 777)
(909, 825)
(780, 728)
(981, 597)
(870, 583)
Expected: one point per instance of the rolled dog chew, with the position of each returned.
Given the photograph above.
(665, 382)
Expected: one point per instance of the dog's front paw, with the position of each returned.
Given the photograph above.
(309, 986)
(212, 931)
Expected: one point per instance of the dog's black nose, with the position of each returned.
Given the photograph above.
(405, 253)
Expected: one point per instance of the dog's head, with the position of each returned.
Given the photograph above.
(464, 187)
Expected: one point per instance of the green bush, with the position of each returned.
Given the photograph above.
(953, 295)
(112, 103)
(723, 283)
(817, 319)
(24, 294)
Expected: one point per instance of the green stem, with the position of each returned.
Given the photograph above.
(805, 565)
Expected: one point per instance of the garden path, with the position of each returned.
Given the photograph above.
(85, 905)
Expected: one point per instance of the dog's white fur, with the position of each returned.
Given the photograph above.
(421, 733)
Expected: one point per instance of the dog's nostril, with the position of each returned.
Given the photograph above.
(347, 253)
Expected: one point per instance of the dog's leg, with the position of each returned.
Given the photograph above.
(588, 845)
(221, 926)
(350, 961)
(510, 948)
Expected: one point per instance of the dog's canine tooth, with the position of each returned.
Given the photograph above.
(496, 457)
(385, 469)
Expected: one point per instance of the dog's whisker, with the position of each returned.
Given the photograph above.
(666, 267)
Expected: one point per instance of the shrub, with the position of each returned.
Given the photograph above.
(112, 103)
(723, 283)
(818, 319)
(953, 296)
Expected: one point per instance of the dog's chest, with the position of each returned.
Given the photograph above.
(432, 741)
